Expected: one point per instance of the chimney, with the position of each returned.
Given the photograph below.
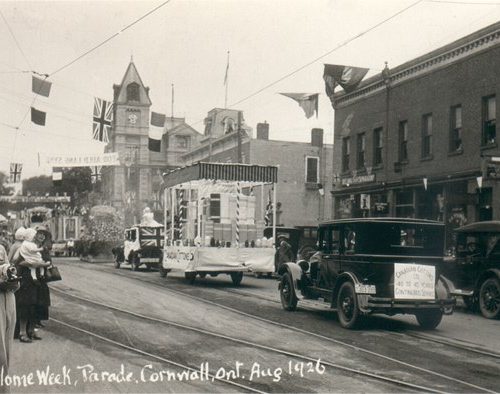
(317, 137)
(263, 131)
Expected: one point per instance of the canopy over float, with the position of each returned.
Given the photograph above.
(210, 216)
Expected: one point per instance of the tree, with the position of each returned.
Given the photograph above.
(76, 182)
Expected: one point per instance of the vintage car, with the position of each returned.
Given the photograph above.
(59, 248)
(142, 245)
(474, 267)
(373, 265)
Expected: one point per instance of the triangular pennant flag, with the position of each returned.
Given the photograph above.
(38, 117)
(345, 76)
(40, 86)
(157, 119)
(307, 101)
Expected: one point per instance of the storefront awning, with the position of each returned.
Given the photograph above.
(221, 172)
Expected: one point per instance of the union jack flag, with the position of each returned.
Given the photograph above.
(96, 174)
(103, 116)
(15, 172)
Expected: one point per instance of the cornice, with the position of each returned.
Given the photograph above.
(414, 69)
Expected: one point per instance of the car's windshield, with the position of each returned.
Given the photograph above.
(479, 244)
(399, 238)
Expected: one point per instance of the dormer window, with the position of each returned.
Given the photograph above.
(228, 125)
(133, 92)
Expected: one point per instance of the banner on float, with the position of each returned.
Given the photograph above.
(103, 159)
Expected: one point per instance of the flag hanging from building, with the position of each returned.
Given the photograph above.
(268, 216)
(15, 172)
(157, 119)
(56, 176)
(96, 174)
(156, 131)
(307, 101)
(38, 117)
(103, 116)
(40, 86)
(345, 76)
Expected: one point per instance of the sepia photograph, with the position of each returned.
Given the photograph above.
(270, 196)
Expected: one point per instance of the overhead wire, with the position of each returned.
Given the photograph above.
(15, 40)
(327, 53)
(109, 38)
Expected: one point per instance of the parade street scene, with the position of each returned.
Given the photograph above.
(270, 196)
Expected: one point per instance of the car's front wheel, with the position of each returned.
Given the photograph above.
(429, 319)
(489, 298)
(287, 293)
(347, 306)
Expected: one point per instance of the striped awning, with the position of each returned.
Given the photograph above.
(221, 172)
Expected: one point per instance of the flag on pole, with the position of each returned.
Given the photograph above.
(227, 70)
(38, 117)
(15, 172)
(345, 76)
(96, 174)
(103, 116)
(269, 211)
(307, 101)
(56, 176)
(40, 86)
(156, 131)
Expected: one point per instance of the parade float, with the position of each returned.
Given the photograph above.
(211, 221)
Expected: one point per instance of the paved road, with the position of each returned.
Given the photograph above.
(379, 348)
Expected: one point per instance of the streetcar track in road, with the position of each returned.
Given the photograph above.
(276, 350)
(303, 331)
(153, 356)
(434, 338)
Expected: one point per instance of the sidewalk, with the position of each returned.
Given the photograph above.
(61, 365)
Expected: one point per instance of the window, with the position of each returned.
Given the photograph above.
(229, 125)
(312, 169)
(215, 207)
(456, 129)
(361, 150)
(489, 120)
(182, 142)
(133, 92)
(377, 146)
(426, 135)
(403, 141)
(346, 152)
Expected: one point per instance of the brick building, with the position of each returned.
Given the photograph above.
(302, 189)
(417, 140)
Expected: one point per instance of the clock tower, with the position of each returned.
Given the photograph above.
(128, 187)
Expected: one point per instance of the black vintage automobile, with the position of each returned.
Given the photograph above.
(474, 267)
(373, 265)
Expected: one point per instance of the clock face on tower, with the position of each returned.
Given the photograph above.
(132, 119)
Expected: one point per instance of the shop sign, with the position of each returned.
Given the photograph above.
(355, 180)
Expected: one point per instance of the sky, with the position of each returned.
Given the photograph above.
(275, 46)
